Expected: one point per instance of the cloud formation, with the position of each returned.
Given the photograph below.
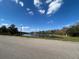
(19, 2)
(31, 13)
(41, 11)
(28, 9)
(48, 1)
(23, 28)
(37, 3)
(4, 24)
(68, 25)
(54, 6)
(50, 22)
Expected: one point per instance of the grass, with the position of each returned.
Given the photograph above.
(74, 39)
(57, 37)
(68, 38)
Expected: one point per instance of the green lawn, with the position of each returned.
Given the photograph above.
(74, 39)
(58, 37)
(68, 38)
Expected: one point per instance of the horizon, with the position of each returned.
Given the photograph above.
(39, 15)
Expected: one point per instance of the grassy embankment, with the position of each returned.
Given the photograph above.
(68, 38)
(58, 37)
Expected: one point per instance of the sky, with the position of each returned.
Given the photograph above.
(39, 15)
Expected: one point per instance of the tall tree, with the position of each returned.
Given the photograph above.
(13, 30)
(3, 30)
(74, 30)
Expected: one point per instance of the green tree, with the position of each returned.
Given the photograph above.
(3, 30)
(13, 30)
(73, 30)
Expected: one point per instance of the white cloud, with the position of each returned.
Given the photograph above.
(17, 1)
(54, 6)
(37, 3)
(41, 11)
(28, 9)
(23, 28)
(67, 25)
(34, 30)
(21, 3)
(50, 22)
(31, 12)
(48, 1)
(4, 24)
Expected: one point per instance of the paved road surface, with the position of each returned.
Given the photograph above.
(27, 48)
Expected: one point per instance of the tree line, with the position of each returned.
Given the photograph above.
(72, 30)
(11, 30)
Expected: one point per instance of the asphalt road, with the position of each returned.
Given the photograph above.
(29, 48)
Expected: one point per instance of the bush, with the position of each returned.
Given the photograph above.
(73, 30)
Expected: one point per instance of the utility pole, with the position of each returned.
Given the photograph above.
(21, 30)
(50, 24)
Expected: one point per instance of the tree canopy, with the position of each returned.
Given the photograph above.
(11, 30)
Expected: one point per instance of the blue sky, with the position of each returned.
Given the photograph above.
(37, 15)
